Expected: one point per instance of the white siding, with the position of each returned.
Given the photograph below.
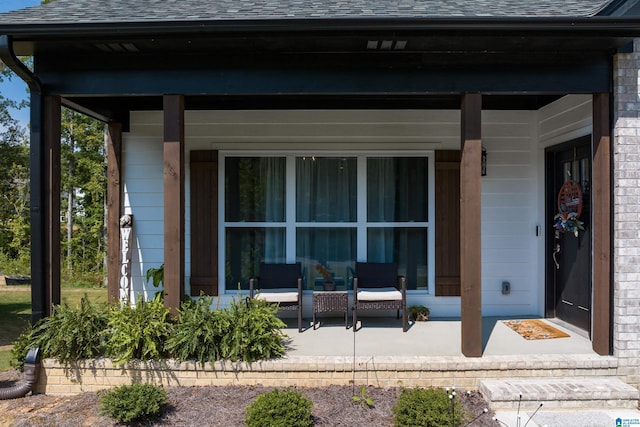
(512, 191)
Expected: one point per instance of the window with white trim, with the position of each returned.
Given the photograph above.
(326, 211)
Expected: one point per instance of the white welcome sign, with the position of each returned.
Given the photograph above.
(126, 292)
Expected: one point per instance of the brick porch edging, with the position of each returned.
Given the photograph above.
(312, 371)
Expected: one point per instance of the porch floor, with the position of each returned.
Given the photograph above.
(379, 336)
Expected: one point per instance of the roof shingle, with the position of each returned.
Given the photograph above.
(122, 11)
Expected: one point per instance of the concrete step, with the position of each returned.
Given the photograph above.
(559, 393)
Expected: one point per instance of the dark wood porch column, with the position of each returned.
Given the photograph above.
(52, 132)
(601, 201)
(173, 200)
(470, 206)
(114, 202)
(45, 209)
(37, 210)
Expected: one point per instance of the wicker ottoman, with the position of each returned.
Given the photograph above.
(331, 301)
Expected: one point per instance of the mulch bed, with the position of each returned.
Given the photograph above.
(217, 406)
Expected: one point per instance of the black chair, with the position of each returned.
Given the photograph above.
(280, 284)
(377, 286)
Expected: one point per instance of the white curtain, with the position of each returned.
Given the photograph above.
(326, 190)
(272, 173)
(381, 207)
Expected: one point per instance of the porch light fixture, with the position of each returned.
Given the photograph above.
(483, 162)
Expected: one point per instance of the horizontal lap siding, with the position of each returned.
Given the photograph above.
(510, 195)
(144, 197)
(509, 192)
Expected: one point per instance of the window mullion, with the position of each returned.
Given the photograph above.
(362, 209)
(290, 204)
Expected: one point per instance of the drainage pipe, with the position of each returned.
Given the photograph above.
(31, 368)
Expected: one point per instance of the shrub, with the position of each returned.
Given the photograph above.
(280, 409)
(25, 341)
(428, 407)
(133, 403)
(138, 332)
(255, 331)
(199, 332)
(69, 334)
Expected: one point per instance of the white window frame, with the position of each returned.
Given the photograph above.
(361, 224)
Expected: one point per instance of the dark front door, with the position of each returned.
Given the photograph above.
(569, 256)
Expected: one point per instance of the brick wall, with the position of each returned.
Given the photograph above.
(314, 371)
(626, 234)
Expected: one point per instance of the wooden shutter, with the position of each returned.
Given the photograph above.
(447, 182)
(204, 222)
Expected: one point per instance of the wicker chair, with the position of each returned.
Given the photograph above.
(377, 286)
(280, 284)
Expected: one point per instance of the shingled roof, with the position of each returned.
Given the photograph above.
(123, 11)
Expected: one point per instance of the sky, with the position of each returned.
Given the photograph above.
(16, 88)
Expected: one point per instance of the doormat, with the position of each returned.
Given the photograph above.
(535, 329)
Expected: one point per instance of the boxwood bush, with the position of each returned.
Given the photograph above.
(277, 408)
(133, 403)
(427, 407)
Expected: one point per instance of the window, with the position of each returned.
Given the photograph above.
(326, 212)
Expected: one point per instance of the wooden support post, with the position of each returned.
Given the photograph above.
(174, 174)
(470, 223)
(601, 202)
(37, 210)
(114, 202)
(52, 132)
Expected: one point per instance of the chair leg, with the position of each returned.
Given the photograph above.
(355, 319)
(299, 318)
(404, 320)
(346, 322)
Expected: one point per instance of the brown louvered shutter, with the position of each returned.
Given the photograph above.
(447, 228)
(204, 222)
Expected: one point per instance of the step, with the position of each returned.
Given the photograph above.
(559, 393)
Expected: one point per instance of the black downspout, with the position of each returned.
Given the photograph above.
(31, 369)
(39, 303)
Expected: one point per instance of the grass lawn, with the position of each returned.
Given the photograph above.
(15, 312)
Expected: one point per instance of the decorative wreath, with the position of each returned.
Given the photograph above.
(568, 222)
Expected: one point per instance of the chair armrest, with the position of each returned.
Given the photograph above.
(402, 284)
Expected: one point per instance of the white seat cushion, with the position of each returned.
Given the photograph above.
(379, 294)
(278, 295)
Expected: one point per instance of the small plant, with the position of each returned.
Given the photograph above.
(255, 332)
(419, 313)
(156, 275)
(199, 332)
(276, 408)
(133, 403)
(428, 407)
(363, 400)
(138, 332)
